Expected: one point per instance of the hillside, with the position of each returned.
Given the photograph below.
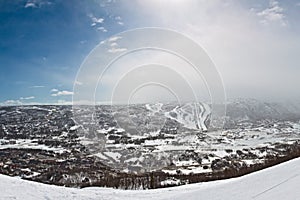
(276, 183)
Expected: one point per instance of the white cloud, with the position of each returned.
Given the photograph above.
(30, 5)
(27, 98)
(114, 39)
(63, 102)
(36, 3)
(242, 49)
(116, 50)
(54, 90)
(118, 18)
(62, 93)
(114, 46)
(95, 20)
(11, 103)
(37, 86)
(102, 29)
(78, 83)
(274, 13)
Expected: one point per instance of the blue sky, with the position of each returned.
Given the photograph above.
(44, 42)
(255, 44)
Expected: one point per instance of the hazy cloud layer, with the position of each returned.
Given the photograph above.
(255, 46)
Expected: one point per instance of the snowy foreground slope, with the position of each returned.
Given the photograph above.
(278, 182)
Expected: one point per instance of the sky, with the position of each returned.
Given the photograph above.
(254, 44)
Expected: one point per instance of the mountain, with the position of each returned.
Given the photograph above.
(144, 145)
(276, 183)
(253, 110)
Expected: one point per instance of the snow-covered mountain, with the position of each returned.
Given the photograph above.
(191, 115)
(144, 145)
(276, 183)
(144, 118)
(198, 116)
(253, 110)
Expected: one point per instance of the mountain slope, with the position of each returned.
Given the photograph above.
(278, 182)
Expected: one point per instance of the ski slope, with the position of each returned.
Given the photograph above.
(275, 183)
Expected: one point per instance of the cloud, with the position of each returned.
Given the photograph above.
(54, 90)
(243, 48)
(37, 86)
(11, 103)
(116, 50)
(114, 46)
(102, 29)
(274, 13)
(78, 83)
(27, 98)
(62, 93)
(95, 20)
(63, 102)
(30, 5)
(119, 20)
(114, 39)
(36, 3)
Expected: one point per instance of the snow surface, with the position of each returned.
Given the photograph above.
(275, 183)
(29, 144)
(190, 115)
